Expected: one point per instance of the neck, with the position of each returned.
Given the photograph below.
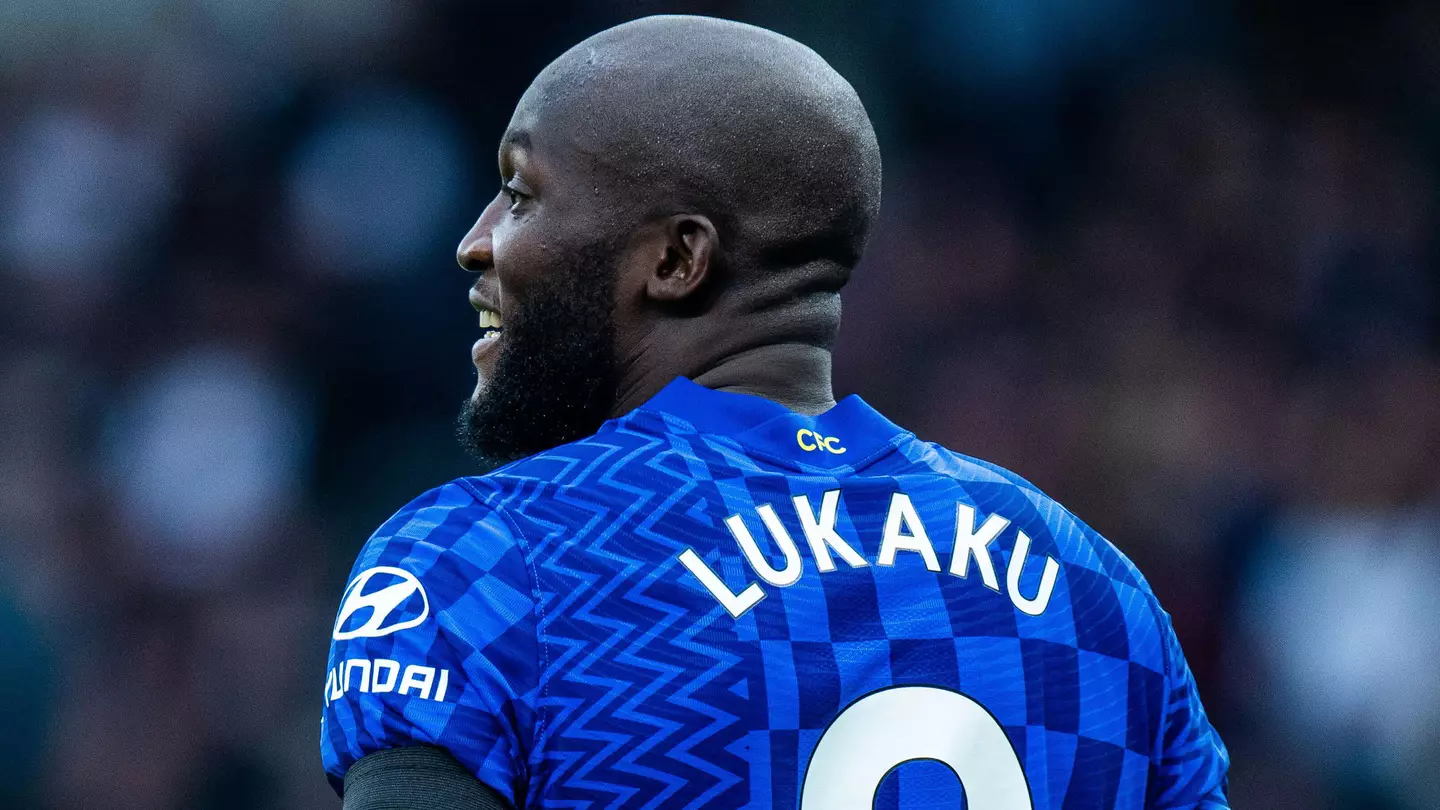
(795, 375)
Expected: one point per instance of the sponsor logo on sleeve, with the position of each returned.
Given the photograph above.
(381, 601)
(376, 676)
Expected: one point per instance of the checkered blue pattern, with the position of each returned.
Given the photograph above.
(588, 668)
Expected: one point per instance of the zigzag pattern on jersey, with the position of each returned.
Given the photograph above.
(644, 700)
(636, 681)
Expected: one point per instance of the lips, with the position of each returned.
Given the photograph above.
(492, 323)
(486, 300)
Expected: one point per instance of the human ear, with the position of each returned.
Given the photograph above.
(690, 255)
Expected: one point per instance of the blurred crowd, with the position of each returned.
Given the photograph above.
(1175, 263)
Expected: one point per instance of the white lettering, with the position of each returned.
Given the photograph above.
(971, 543)
(332, 687)
(902, 516)
(391, 667)
(785, 576)
(734, 604)
(903, 531)
(820, 532)
(364, 666)
(421, 679)
(382, 675)
(1036, 606)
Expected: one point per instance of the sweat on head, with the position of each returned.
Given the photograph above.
(692, 195)
(683, 114)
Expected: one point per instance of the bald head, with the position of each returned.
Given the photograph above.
(680, 196)
(676, 114)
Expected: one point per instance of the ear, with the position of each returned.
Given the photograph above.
(690, 256)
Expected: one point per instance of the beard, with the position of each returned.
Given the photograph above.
(555, 376)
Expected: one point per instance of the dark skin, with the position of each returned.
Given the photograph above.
(548, 204)
(709, 187)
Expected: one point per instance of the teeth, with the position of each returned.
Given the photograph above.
(489, 319)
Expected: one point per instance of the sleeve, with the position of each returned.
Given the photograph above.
(416, 776)
(1193, 765)
(435, 644)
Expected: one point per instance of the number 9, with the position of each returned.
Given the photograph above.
(892, 726)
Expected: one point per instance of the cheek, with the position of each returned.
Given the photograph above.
(529, 251)
(521, 256)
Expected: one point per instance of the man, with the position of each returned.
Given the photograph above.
(696, 580)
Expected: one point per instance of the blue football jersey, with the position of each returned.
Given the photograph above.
(717, 602)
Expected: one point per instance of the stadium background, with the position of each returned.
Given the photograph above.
(1175, 262)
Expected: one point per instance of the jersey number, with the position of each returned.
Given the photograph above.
(892, 726)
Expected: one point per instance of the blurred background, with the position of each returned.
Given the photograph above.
(1174, 262)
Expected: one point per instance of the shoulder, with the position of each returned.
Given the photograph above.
(452, 518)
(435, 642)
(1078, 544)
(452, 573)
(455, 547)
(631, 440)
(477, 516)
(1105, 588)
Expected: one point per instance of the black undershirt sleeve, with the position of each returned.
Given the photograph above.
(416, 778)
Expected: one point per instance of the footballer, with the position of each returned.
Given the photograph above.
(691, 578)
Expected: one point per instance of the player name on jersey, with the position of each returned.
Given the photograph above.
(903, 532)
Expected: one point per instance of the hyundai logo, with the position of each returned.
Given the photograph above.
(379, 607)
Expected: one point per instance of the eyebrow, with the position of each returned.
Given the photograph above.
(517, 138)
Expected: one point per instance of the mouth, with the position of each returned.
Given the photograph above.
(491, 324)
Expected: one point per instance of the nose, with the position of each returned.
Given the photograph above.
(476, 251)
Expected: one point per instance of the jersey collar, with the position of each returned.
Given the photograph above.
(849, 435)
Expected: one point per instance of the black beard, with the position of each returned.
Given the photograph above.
(555, 378)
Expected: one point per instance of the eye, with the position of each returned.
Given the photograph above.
(515, 195)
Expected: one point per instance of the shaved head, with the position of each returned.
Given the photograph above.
(680, 196)
(751, 128)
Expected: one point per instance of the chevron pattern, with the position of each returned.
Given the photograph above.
(590, 669)
(637, 701)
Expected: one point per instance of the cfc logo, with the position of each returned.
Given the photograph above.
(810, 440)
(380, 601)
